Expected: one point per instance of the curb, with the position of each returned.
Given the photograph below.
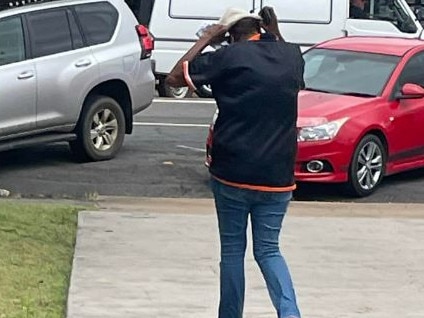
(297, 208)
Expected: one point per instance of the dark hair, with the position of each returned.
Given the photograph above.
(245, 27)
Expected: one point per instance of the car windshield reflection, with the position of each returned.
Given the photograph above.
(347, 72)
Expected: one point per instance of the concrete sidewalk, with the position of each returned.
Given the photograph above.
(158, 258)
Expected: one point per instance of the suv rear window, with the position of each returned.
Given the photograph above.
(98, 21)
(49, 32)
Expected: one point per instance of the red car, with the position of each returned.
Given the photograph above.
(361, 116)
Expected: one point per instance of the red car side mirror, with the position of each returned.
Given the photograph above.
(411, 91)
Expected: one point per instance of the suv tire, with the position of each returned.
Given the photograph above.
(100, 131)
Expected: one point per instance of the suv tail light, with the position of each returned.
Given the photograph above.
(146, 41)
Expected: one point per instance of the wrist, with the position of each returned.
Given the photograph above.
(204, 41)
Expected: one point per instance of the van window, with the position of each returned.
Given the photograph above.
(98, 21)
(417, 6)
(50, 33)
(12, 48)
(205, 9)
(142, 10)
(316, 11)
(386, 10)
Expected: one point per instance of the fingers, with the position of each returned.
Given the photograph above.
(273, 12)
(268, 16)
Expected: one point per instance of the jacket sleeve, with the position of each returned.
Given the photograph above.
(205, 69)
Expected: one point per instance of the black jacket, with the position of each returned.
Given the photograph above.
(256, 85)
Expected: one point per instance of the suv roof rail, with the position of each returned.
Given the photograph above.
(9, 4)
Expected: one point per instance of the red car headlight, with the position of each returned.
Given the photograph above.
(321, 132)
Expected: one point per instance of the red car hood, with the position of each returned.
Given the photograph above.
(316, 108)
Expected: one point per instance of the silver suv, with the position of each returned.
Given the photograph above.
(72, 70)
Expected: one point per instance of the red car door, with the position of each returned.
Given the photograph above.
(406, 130)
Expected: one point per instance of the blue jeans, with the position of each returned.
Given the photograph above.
(267, 210)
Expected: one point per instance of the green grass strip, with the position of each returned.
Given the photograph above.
(36, 249)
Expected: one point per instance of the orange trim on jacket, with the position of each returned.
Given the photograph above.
(187, 76)
(255, 37)
(256, 187)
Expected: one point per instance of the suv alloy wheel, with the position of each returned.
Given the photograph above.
(101, 130)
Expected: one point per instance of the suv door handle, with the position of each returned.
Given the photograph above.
(83, 63)
(25, 75)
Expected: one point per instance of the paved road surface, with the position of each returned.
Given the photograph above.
(163, 158)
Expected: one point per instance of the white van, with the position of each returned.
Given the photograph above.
(174, 23)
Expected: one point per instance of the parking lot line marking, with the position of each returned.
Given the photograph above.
(183, 101)
(192, 148)
(172, 125)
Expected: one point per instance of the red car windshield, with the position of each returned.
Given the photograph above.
(348, 72)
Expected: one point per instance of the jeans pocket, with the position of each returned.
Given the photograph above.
(277, 197)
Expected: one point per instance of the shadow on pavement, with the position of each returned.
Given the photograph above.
(48, 155)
